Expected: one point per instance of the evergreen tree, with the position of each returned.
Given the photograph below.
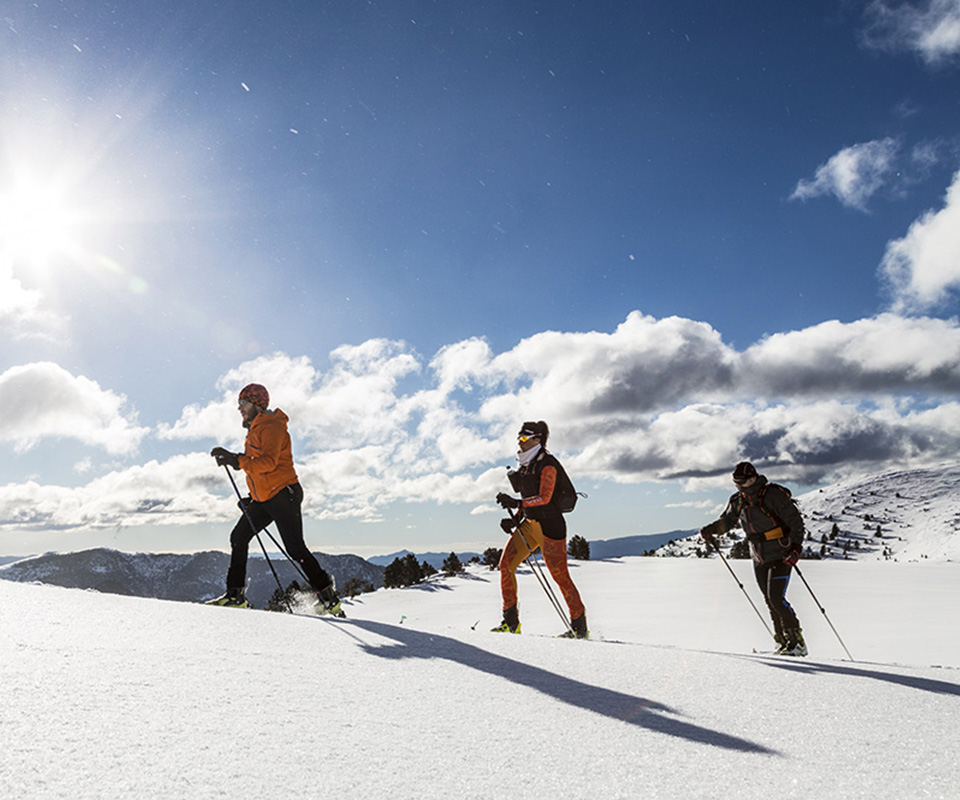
(356, 586)
(402, 572)
(426, 570)
(391, 575)
(491, 557)
(579, 548)
(452, 565)
(282, 600)
(740, 549)
(412, 573)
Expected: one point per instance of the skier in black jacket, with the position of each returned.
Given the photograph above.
(775, 533)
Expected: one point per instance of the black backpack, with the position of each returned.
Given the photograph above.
(769, 512)
(564, 494)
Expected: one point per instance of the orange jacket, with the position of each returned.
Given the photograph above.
(267, 456)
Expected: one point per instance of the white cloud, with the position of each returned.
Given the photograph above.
(44, 400)
(355, 401)
(653, 400)
(596, 377)
(179, 491)
(924, 266)
(931, 30)
(853, 175)
(882, 354)
(21, 315)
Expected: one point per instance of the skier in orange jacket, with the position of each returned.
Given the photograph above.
(275, 496)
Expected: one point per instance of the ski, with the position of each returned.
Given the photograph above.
(777, 653)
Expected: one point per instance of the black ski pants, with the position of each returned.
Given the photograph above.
(283, 509)
(772, 579)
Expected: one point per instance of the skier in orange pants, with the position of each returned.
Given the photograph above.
(541, 526)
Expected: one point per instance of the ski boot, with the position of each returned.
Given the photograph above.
(328, 604)
(578, 629)
(233, 598)
(794, 645)
(511, 621)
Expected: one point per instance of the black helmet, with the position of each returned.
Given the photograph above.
(537, 429)
(744, 472)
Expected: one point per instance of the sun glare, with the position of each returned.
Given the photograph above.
(37, 223)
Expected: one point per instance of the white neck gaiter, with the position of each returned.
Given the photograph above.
(525, 457)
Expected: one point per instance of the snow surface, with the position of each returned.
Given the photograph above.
(108, 696)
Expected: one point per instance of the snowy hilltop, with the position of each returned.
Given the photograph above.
(904, 515)
(411, 697)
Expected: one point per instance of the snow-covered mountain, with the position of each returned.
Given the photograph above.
(903, 515)
(170, 576)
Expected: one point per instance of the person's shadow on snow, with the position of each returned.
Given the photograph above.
(638, 711)
(910, 681)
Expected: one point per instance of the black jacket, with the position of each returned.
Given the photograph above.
(759, 509)
(528, 481)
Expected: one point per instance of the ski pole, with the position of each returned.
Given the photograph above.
(538, 573)
(253, 527)
(279, 547)
(823, 611)
(727, 565)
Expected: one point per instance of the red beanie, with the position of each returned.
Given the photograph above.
(256, 394)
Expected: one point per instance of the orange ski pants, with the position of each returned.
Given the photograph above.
(554, 553)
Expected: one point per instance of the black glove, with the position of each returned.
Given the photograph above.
(711, 530)
(505, 500)
(793, 555)
(225, 457)
(508, 525)
(244, 503)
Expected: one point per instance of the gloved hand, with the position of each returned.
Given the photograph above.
(508, 525)
(225, 457)
(711, 530)
(244, 502)
(507, 501)
(793, 555)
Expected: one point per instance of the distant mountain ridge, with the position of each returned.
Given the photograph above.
(599, 548)
(434, 559)
(633, 545)
(171, 576)
(917, 513)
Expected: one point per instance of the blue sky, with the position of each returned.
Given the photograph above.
(682, 235)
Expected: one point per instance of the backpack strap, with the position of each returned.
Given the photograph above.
(763, 506)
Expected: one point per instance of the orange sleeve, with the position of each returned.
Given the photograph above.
(548, 480)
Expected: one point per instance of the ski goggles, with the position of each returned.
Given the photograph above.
(526, 437)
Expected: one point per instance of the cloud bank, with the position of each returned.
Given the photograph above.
(653, 400)
(44, 400)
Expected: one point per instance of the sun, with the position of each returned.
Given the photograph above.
(38, 224)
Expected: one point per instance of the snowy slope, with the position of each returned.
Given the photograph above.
(917, 512)
(108, 696)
